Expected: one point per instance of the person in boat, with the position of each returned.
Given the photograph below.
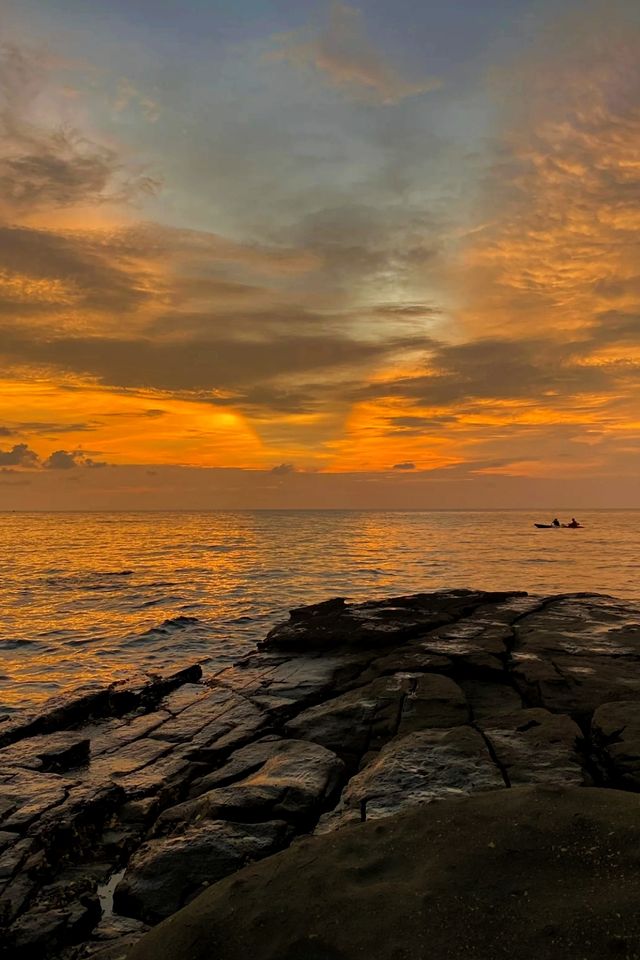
(555, 523)
(574, 523)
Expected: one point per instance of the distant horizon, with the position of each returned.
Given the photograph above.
(566, 510)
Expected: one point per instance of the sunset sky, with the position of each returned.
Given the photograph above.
(273, 253)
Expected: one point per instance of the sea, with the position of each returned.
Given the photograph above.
(89, 598)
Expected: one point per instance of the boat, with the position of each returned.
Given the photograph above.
(555, 526)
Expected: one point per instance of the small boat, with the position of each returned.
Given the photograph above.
(561, 526)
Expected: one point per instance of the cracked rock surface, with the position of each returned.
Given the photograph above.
(118, 807)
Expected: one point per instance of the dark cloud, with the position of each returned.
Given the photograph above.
(195, 365)
(47, 427)
(6, 432)
(283, 469)
(67, 460)
(407, 465)
(502, 369)
(72, 272)
(20, 455)
(60, 460)
(615, 328)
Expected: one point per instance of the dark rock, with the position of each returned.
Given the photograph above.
(488, 698)
(578, 652)
(166, 874)
(535, 746)
(40, 932)
(282, 684)
(415, 769)
(549, 873)
(55, 752)
(61, 713)
(355, 721)
(411, 658)
(365, 718)
(118, 949)
(274, 779)
(616, 737)
(432, 701)
(28, 795)
(115, 926)
(336, 605)
(374, 623)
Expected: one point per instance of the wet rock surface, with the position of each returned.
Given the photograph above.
(533, 872)
(120, 805)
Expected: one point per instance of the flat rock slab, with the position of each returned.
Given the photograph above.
(168, 873)
(578, 652)
(535, 746)
(272, 779)
(61, 713)
(534, 872)
(415, 769)
(367, 717)
(57, 751)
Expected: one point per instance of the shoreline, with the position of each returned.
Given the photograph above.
(347, 713)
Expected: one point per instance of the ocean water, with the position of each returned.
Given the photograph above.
(87, 598)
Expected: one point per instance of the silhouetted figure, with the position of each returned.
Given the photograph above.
(574, 523)
(555, 523)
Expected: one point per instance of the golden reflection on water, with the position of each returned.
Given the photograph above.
(91, 598)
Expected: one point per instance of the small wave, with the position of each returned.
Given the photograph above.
(164, 628)
(158, 601)
(17, 643)
(178, 622)
(93, 580)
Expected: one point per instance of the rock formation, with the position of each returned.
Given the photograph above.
(119, 807)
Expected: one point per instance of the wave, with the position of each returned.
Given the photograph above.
(93, 580)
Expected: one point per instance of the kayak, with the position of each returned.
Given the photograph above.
(553, 526)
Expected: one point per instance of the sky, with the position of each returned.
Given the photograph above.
(312, 254)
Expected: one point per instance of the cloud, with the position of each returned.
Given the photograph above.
(196, 365)
(67, 460)
(283, 469)
(60, 460)
(20, 455)
(342, 53)
(559, 243)
(52, 166)
(46, 427)
(407, 465)
(6, 432)
(129, 96)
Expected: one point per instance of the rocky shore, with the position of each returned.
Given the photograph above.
(121, 806)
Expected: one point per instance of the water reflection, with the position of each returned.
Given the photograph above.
(87, 598)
